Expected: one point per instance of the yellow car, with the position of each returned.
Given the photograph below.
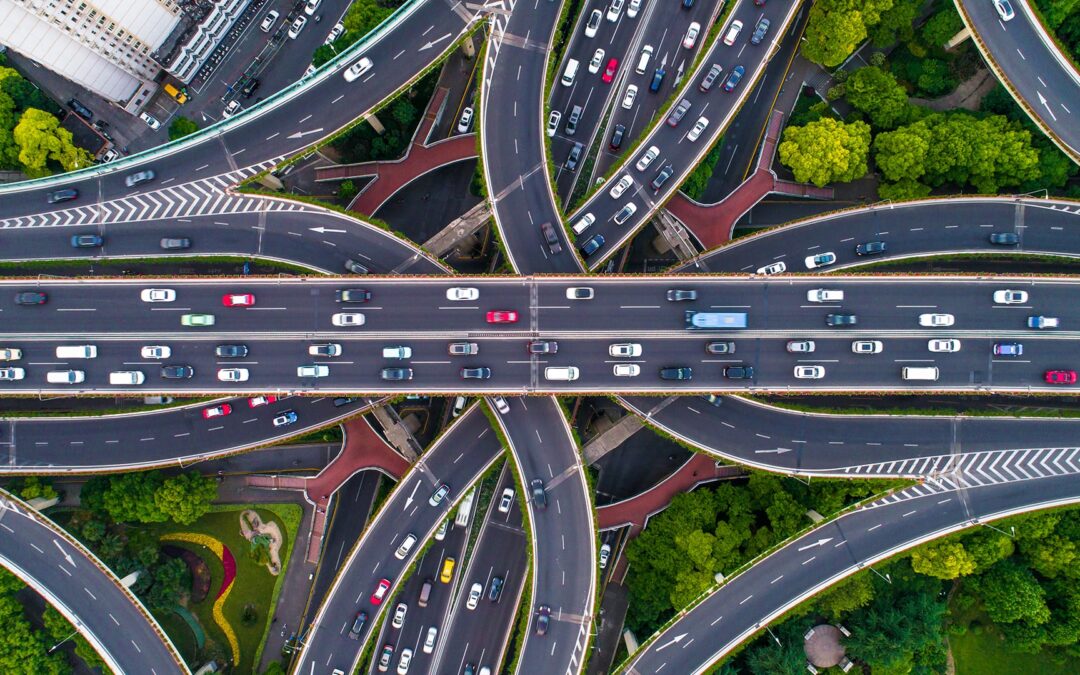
(447, 570)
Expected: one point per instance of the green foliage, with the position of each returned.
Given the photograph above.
(33, 487)
(150, 497)
(852, 593)
(275, 668)
(787, 657)
(877, 93)
(170, 579)
(180, 127)
(1010, 592)
(695, 184)
(936, 79)
(22, 649)
(836, 27)
(93, 530)
(400, 118)
(361, 17)
(41, 140)
(9, 583)
(347, 190)
(826, 151)
(1057, 11)
(59, 628)
(896, 23)
(23, 92)
(940, 27)
(944, 560)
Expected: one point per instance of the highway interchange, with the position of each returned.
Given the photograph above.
(985, 472)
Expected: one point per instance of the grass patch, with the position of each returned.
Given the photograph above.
(982, 652)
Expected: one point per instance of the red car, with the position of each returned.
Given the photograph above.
(217, 411)
(502, 316)
(380, 592)
(238, 300)
(257, 401)
(1060, 377)
(609, 72)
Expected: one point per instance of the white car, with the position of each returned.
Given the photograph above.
(399, 615)
(936, 320)
(403, 661)
(633, 8)
(824, 295)
(347, 319)
(232, 374)
(335, 33)
(625, 350)
(867, 347)
(579, 293)
(622, 186)
(312, 371)
(12, 373)
(626, 370)
(150, 120)
(230, 110)
(357, 69)
(820, 260)
(732, 32)
(466, 120)
(10, 354)
(944, 346)
(406, 545)
(311, 6)
(774, 268)
(506, 500)
(269, 20)
(474, 596)
(1007, 297)
(800, 346)
(701, 125)
(462, 293)
(643, 163)
(328, 349)
(156, 352)
(629, 97)
(692, 33)
(554, 117)
(158, 295)
(596, 61)
(593, 24)
(605, 553)
(1004, 10)
(297, 26)
(500, 404)
(809, 372)
(429, 640)
(614, 10)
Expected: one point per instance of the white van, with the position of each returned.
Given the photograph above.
(927, 373)
(397, 352)
(824, 295)
(129, 377)
(65, 376)
(570, 72)
(76, 352)
(584, 223)
(561, 373)
(643, 60)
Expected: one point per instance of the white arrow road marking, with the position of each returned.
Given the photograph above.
(301, 134)
(819, 542)
(413, 495)
(323, 230)
(675, 640)
(64, 553)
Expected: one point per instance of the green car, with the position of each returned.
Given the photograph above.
(197, 320)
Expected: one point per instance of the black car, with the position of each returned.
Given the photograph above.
(343, 400)
(231, 351)
(248, 89)
(592, 245)
(543, 619)
(355, 267)
(65, 195)
(495, 591)
(175, 243)
(396, 374)
(841, 320)
(662, 177)
(683, 373)
(759, 32)
(739, 372)
(87, 241)
(482, 373)
(720, 348)
(551, 237)
(177, 372)
(31, 298)
(1005, 238)
(681, 294)
(710, 77)
(574, 157)
(617, 136)
(539, 495)
(352, 295)
(871, 248)
(543, 347)
(358, 625)
(80, 110)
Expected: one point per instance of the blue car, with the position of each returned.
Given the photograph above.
(1008, 349)
(87, 241)
(733, 79)
(285, 419)
(592, 246)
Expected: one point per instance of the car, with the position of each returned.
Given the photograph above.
(406, 545)
(238, 300)
(692, 33)
(719, 347)
(466, 120)
(629, 97)
(800, 346)
(605, 553)
(311, 6)
(355, 267)
(500, 404)
(584, 223)
(871, 248)
(657, 79)
(554, 117)
(259, 401)
(936, 320)
(1004, 10)
(773, 268)
(232, 374)
(352, 295)
(429, 639)
(1004, 238)
(269, 20)
(231, 351)
(733, 32)
(12, 374)
(285, 419)
(440, 533)
(662, 177)
(543, 347)
(495, 590)
(399, 615)
(335, 33)
(593, 245)
(681, 295)
(574, 157)
(579, 293)
(380, 591)
(543, 620)
(739, 372)
(475, 593)
(710, 77)
(150, 120)
(809, 372)
(217, 411)
(733, 78)
(626, 370)
(1008, 349)
(139, 178)
(680, 373)
(397, 352)
(626, 350)
(620, 187)
(1042, 322)
(475, 373)
(1008, 297)
(839, 320)
(463, 349)
(396, 374)
(1060, 377)
(313, 370)
(358, 69)
(344, 400)
(177, 372)
(231, 109)
(646, 159)
(80, 110)
(593, 24)
(633, 8)
(157, 295)
(539, 494)
(439, 494)
(386, 656)
(358, 625)
(596, 61)
(458, 294)
(502, 316)
(347, 319)
(329, 350)
(943, 346)
(614, 10)
(866, 347)
(713, 400)
(197, 320)
(249, 87)
(609, 72)
(820, 260)
(297, 26)
(759, 32)
(174, 243)
(617, 136)
(14, 354)
(678, 112)
(621, 217)
(65, 195)
(31, 298)
(506, 500)
(551, 237)
(403, 661)
(87, 241)
(700, 126)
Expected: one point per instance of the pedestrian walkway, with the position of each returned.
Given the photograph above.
(420, 158)
(713, 224)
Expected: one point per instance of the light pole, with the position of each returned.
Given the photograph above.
(1011, 533)
(55, 646)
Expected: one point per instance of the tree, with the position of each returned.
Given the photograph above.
(1010, 592)
(130, 498)
(9, 150)
(826, 151)
(59, 628)
(988, 547)
(848, 595)
(22, 92)
(935, 78)
(944, 560)
(877, 93)
(896, 23)
(180, 127)
(347, 190)
(904, 617)
(170, 579)
(185, 498)
(21, 648)
(766, 656)
(93, 530)
(836, 27)
(942, 26)
(41, 139)
(9, 583)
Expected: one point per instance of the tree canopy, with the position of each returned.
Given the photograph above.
(826, 151)
(836, 27)
(150, 497)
